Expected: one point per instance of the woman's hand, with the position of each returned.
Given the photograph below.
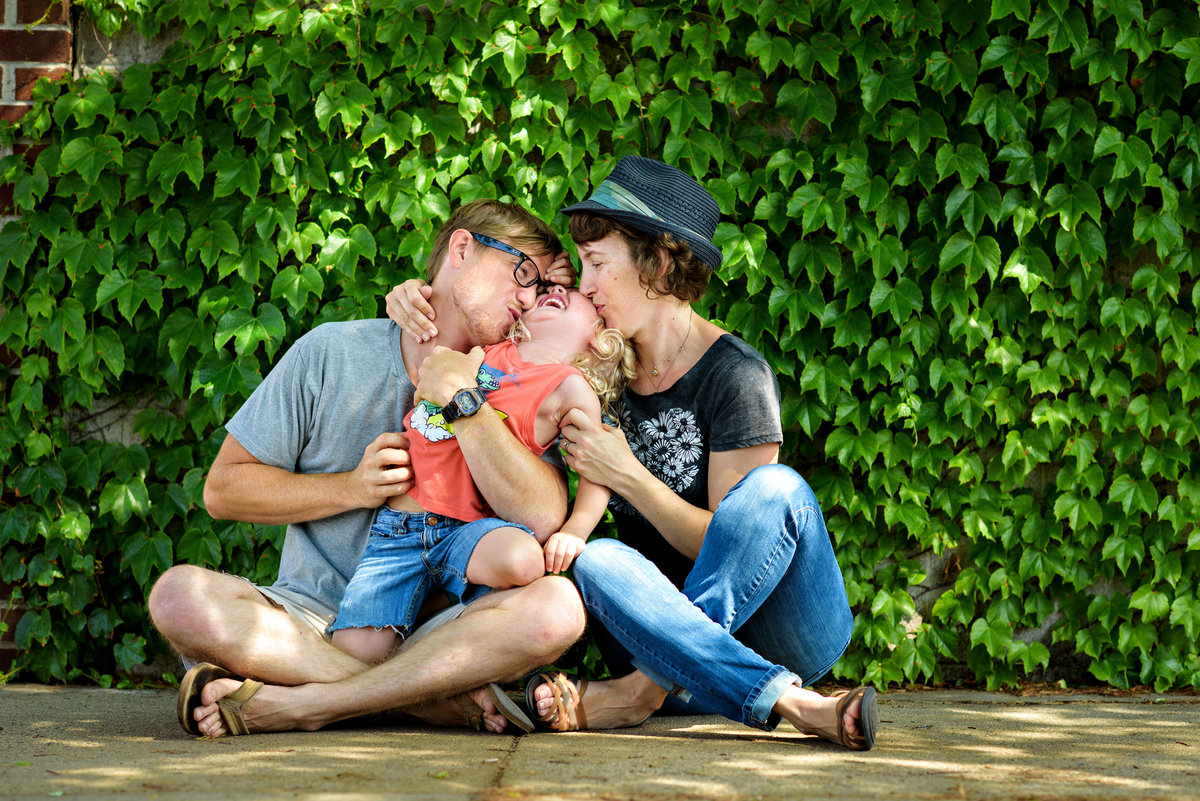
(408, 307)
(444, 372)
(597, 452)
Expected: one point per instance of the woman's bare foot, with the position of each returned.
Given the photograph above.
(612, 704)
(813, 713)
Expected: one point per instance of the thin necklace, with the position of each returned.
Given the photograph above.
(654, 370)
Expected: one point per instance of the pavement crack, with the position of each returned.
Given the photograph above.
(493, 790)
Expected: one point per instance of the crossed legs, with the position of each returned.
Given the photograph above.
(766, 571)
(310, 684)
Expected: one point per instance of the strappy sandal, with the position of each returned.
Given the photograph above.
(504, 704)
(230, 706)
(568, 700)
(868, 718)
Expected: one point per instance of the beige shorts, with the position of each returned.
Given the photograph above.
(318, 616)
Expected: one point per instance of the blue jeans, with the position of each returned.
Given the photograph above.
(408, 555)
(766, 573)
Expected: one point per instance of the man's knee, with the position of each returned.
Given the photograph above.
(558, 610)
(185, 602)
(172, 596)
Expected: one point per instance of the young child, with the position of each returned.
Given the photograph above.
(558, 357)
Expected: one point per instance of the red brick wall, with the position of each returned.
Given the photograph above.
(26, 55)
(27, 52)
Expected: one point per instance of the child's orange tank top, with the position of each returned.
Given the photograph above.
(515, 389)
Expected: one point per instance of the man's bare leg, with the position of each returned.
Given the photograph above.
(500, 637)
(218, 618)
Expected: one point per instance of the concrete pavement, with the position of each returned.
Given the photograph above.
(85, 743)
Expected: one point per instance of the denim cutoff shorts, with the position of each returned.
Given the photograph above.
(408, 555)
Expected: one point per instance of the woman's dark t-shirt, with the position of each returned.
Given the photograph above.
(728, 400)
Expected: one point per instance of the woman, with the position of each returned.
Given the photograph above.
(723, 590)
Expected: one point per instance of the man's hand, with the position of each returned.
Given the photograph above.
(444, 372)
(384, 471)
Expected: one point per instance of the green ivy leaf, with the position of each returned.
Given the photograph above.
(90, 155)
(131, 293)
(1070, 204)
(235, 172)
(209, 241)
(171, 159)
(945, 72)
(181, 332)
(85, 103)
(681, 109)
(218, 376)
(146, 555)
(248, 330)
(124, 499)
(977, 255)
(965, 160)
(1003, 8)
(342, 250)
(81, 254)
(895, 82)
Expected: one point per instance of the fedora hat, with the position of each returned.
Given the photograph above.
(656, 198)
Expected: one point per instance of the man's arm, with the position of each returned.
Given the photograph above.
(241, 487)
(518, 485)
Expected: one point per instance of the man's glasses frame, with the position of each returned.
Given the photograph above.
(524, 276)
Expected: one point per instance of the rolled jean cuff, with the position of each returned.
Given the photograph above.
(668, 685)
(760, 714)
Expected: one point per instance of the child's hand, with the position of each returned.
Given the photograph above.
(561, 550)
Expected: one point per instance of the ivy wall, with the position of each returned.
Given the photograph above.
(963, 233)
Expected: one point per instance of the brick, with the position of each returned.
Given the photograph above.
(32, 10)
(36, 45)
(13, 112)
(6, 199)
(27, 77)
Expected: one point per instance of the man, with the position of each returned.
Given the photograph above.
(307, 450)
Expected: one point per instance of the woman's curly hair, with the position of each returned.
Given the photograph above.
(685, 277)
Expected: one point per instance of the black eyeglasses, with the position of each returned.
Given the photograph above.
(525, 273)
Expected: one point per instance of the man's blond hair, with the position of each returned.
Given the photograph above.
(506, 222)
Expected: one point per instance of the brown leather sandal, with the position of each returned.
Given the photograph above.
(568, 701)
(230, 706)
(868, 718)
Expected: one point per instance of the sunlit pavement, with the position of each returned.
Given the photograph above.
(89, 743)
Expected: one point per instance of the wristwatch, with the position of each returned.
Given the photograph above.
(464, 404)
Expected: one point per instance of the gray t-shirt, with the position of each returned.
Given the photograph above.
(728, 400)
(338, 388)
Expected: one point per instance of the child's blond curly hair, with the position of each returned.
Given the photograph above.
(608, 365)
